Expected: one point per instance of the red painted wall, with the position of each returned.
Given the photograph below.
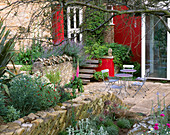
(57, 24)
(128, 32)
(106, 64)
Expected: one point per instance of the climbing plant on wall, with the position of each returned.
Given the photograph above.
(94, 18)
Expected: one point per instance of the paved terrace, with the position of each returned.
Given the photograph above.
(138, 103)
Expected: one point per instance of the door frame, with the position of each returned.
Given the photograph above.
(143, 51)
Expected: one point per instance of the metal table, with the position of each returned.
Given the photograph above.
(123, 83)
(128, 70)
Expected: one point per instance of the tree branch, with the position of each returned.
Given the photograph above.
(166, 12)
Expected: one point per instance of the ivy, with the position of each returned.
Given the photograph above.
(93, 19)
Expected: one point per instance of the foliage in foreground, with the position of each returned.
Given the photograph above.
(3, 109)
(29, 94)
(6, 48)
(76, 83)
(161, 124)
(123, 123)
(84, 127)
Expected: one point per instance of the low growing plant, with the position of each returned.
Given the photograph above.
(108, 122)
(123, 123)
(26, 68)
(28, 56)
(53, 76)
(84, 128)
(161, 124)
(12, 114)
(112, 130)
(113, 110)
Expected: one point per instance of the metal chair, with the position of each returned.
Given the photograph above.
(109, 81)
(146, 75)
(128, 66)
(141, 84)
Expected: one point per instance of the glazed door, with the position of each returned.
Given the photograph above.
(155, 47)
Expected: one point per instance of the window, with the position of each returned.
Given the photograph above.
(74, 20)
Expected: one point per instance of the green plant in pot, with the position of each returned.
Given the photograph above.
(98, 76)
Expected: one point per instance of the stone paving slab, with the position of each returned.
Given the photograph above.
(138, 103)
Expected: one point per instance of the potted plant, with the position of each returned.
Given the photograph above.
(98, 76)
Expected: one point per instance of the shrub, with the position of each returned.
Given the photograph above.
(12, 114)
(53, 76)
(112, 130)
(108, 122)
(96, 50)
(123, 123)
(30, 94)
(3, 109)
(122, 53)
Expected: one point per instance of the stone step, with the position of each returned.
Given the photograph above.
(87, 71)
(92, 61)
(86, 76)
(90, 65)
(86, 81)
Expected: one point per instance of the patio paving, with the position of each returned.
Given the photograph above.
(138, 103)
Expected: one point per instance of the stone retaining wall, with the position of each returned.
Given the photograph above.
(50, 122)
(66, 70)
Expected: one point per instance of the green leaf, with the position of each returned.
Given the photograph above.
(6, 89)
